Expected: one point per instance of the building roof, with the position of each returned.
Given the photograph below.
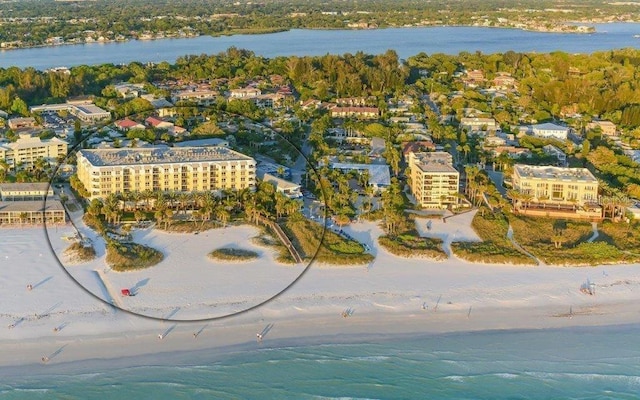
(28, 142)
(91, 109)
(159, 155)
(548, 126)
(277, 182)
(544, 172)
(25, 187)
(202, 143)
(27, 206)
(379, 174)
(126, 123)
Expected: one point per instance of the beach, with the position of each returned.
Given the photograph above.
(189, 303)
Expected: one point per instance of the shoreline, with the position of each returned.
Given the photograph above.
(142, 347)
(392, 297)
(281, 30)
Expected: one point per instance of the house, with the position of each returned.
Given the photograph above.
(127, 124)
(549, 130)
(22, 123)
(607, 128)
(310, 104)
(355, 112)
(204, 97)
(244, 93)
(158, 123)
(478, 124)
(560, 156)
(504, 81)
(379, 175)
(288, 188)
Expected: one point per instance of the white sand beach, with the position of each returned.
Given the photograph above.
(59, 320)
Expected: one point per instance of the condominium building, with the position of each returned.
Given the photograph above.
(25, 191)
(185, 169)
(27, 149)
(24, 203)
(434, 181)
(555, 185)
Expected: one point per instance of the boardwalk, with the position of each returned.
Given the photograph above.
(283, 238)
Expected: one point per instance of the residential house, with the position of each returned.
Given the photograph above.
(549, 130)
(476, 125)
(560, 156)
(355, 112)
(288, 188)
(22, 123)
(607, 128)
(126, 124)
(379, 175)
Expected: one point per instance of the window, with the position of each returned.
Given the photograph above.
(557, 191)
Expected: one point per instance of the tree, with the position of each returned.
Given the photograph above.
(18, 106)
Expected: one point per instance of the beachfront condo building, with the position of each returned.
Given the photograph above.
(27, 149)
(434, 180)
(24, 203)
(164, 169)
(556, 186)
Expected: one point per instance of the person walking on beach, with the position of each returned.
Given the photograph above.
(160, 336)
(259, 337)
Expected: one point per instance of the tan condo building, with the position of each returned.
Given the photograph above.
(164, 169)
(556, 185)
(27, 149)
(556, 191)
(434, 180)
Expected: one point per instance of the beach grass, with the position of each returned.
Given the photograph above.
(80, 253)
(565, 242)
(233, 254)
(266, 239)
(494, 248)
(123, 257)
(410, 244)
(334, 249)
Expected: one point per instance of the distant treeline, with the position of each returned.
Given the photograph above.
(32, 22)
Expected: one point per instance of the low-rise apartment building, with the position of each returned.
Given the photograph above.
(25, 191)
(24, 203)
(556, 185)
(27, 149)
(434, 181)
(183, 169)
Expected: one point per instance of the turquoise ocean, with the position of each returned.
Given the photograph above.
(572, 363)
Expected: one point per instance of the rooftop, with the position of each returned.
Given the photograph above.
(378, 173)
(24, 187)
(556, 173)
(33, 206)
(160, 155)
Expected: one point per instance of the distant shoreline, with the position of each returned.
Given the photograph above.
(280, 30)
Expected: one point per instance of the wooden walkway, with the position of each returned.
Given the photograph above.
(283, 238)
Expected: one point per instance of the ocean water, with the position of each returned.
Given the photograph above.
(577, 363)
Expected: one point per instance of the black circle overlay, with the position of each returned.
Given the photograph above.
(310, 169)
